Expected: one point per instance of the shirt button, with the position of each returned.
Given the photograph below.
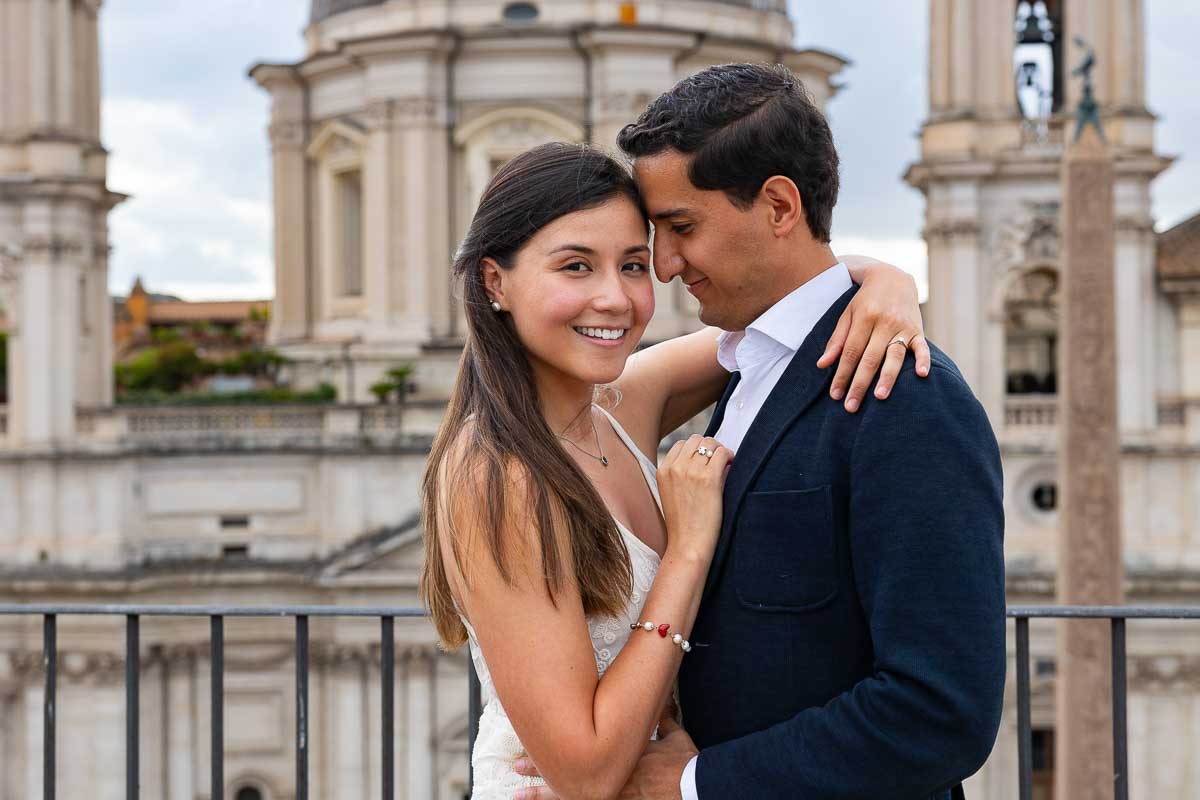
(741, 404)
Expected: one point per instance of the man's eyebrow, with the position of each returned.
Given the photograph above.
(672, 212)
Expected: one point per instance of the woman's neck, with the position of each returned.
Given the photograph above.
(564, 401)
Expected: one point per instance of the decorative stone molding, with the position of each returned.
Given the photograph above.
(404, 111)
(1165, 673)
(952, 228)
(87, 668)
(1135, 224)
(53, 246)
(1029, 235)
(625, 105)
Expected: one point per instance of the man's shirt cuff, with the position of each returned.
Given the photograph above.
(687, 782)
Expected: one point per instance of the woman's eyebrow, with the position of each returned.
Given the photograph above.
(579, 248)
(575, 248)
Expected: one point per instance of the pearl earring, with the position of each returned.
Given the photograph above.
(496, 306)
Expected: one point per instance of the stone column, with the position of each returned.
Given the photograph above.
(43, 347)
(419, 724)
(955, 291)
(290, 310)
(179, 666)
(1090, 568)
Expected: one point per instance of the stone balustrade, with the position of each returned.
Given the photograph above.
(412, 423)
(1031, 411)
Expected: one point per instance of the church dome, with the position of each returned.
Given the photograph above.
(327, 8)
(323, 9)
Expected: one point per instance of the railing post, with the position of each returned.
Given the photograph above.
(217, 637)
(1120, 725)
(301, 707)
(1024, 724)
(387, 686)
(474, 712)
(49, 702)
(132, 673)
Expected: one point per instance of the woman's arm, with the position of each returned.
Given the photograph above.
(672, 382)
(585, 734)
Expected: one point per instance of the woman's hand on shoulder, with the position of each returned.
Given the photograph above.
(885, 311)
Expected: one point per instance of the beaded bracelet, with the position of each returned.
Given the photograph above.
(683, 643)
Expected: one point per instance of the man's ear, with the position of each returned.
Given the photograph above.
(493, 281)
(782, 200)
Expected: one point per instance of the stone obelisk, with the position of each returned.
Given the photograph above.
(1090, 569)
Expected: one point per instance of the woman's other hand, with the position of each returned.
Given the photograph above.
(691, 483)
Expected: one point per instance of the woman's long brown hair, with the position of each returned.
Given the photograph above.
(495, 389)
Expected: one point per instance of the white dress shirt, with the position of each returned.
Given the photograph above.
(762, 353)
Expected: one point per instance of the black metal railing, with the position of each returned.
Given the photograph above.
(1117, 616)
(217, 614)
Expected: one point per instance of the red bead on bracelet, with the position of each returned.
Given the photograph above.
(684, 644)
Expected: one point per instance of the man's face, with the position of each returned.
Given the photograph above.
(718, 250)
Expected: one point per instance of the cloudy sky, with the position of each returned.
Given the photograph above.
(186, 128)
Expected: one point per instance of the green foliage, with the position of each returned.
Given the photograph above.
(259, 363)
(401, 374)
(166, 368)
(398, 382)
(166, 335)
(172, 366)
(325, 393)
(259, 314)
(382, 389)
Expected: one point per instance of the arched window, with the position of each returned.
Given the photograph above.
(338, 153)
(248, 793)
(1031, 333)
(1037, 58)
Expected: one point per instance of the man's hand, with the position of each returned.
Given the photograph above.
(656, 776)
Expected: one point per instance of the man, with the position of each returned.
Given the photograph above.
(850, 638)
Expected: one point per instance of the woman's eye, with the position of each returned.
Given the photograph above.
(637, 267)
(572, 267)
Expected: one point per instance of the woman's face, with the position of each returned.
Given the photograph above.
(580, 292)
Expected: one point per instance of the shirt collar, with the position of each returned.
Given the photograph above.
(789, 322)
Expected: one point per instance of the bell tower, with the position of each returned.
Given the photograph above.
(1001, 109)
(54, 205)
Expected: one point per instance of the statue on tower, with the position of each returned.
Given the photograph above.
(1088, 111)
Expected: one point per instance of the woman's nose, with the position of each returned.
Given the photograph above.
(613, 297)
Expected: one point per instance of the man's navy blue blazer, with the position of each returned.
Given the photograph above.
(850, 639)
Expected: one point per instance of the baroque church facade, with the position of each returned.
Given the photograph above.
(382, 138)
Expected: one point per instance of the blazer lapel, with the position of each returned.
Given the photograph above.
(718, 416)
(798, 388)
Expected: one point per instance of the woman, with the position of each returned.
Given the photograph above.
(552, 545)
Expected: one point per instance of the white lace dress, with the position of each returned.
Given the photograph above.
(497, 745)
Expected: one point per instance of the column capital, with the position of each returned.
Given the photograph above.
(405, 112)
(286, 134)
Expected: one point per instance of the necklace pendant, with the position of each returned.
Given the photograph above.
(604, 460)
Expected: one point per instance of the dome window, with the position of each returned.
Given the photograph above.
(520, 13)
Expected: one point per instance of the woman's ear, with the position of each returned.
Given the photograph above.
(493, 281)
(782, 199)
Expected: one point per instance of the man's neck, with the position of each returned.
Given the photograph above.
(803, 265)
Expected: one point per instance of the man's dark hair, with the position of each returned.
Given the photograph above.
(742, 124)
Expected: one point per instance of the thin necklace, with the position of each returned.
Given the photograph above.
(603, 459)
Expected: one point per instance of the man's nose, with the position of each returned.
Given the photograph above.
(667, 264)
